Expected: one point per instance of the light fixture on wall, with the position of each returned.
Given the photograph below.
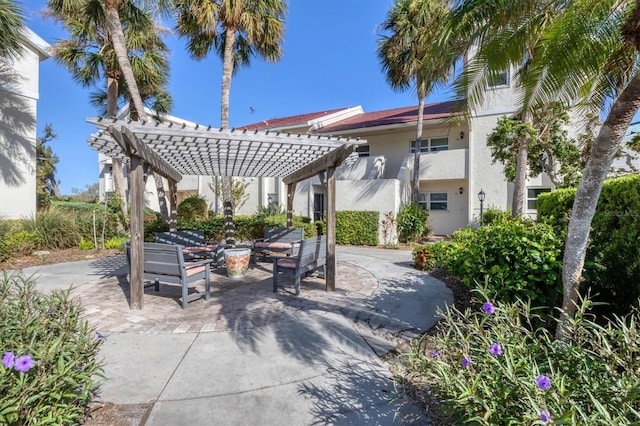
(461, 190)
(461, 135)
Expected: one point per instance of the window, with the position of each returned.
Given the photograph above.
(272, 200)
(433, 201)
(438, 201)
(532, 196)
(362, 150)
(431, 145)
(500, 80)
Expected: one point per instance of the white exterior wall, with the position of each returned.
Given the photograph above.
(19, 79)
(445, 222)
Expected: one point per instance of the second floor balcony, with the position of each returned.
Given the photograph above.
(443, 165)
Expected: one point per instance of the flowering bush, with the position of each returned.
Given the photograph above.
(49, 369)
(424, 258)
(491, 366)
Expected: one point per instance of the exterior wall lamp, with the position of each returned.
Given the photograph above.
(461, 135)
(461, 190)
(481, 197)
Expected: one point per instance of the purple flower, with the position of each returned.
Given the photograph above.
(488, 308)
(24, 363)
(545, 416)
(495, 349)
(99, 335)
(435, 354)
(543, 382)
(8, 359)
(466, 362)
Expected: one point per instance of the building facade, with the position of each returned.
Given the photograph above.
(19, 82)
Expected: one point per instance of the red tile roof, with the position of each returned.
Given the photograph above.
(392, 116)
(292, 121)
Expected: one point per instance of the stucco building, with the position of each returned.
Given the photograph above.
(19, 82)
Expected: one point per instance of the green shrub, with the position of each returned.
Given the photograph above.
(493, 214)
(413, 223)
(21, 243)
(194, 207)
(49, 330)
(497, 368)
(86, 245)
(612, 270)
(54, 228)
(116, 243)
(515, 258)
(357, 227)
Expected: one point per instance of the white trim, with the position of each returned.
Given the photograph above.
(37, 43)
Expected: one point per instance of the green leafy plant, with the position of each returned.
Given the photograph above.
(21, 243)
(116, 243)
(50, 370)
(516, 258)
(424, 258)
(194, 207)
(412, 223)
(490, 365)
(86, 245)
(357, 227)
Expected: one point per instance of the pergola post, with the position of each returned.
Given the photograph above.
(136, 182)
(291, 191)
(173, 205)
(330, 279)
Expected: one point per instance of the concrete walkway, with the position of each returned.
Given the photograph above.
(248, 356)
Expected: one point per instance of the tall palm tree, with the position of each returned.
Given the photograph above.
(11, 27)
(581, 59)
(237, 30)
(504, 35)
(411, 53)
(90, 57)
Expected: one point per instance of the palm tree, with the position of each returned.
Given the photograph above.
(411, 52)
(506, 36)
(11, 26)
(236, 30)
(580, 59)
(90, 57)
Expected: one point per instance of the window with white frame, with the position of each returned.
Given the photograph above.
(532, 196)
(431, 145)
(362, 150)
(433, 201)
(499, 80)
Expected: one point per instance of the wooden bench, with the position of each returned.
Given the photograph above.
(194, 244)
(278, 240)
(165, 262)
(312, 255)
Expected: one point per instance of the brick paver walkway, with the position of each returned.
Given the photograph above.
(235, 304)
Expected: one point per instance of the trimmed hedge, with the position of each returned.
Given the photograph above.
(612, 269)
(357, 227)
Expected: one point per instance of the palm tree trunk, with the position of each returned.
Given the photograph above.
(116, 164)
(162, 200)
(586, 199)
(415, 187)
(227, 72)
(120, 48)
(520, 182)
(54, 186)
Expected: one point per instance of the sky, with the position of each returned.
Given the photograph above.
(329, 62)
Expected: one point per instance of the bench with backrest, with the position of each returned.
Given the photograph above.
(194, 244)
(165, 263)
(278, 240)
(311, 256)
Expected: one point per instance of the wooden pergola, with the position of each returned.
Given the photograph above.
(173, 150)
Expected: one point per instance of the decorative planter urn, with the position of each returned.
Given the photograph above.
(237, 261)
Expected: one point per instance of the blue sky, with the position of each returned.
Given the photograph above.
(329, 62)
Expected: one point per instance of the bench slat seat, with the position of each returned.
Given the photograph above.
(194, 244)
(165, 262)
(311, 256)
(278, 240)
